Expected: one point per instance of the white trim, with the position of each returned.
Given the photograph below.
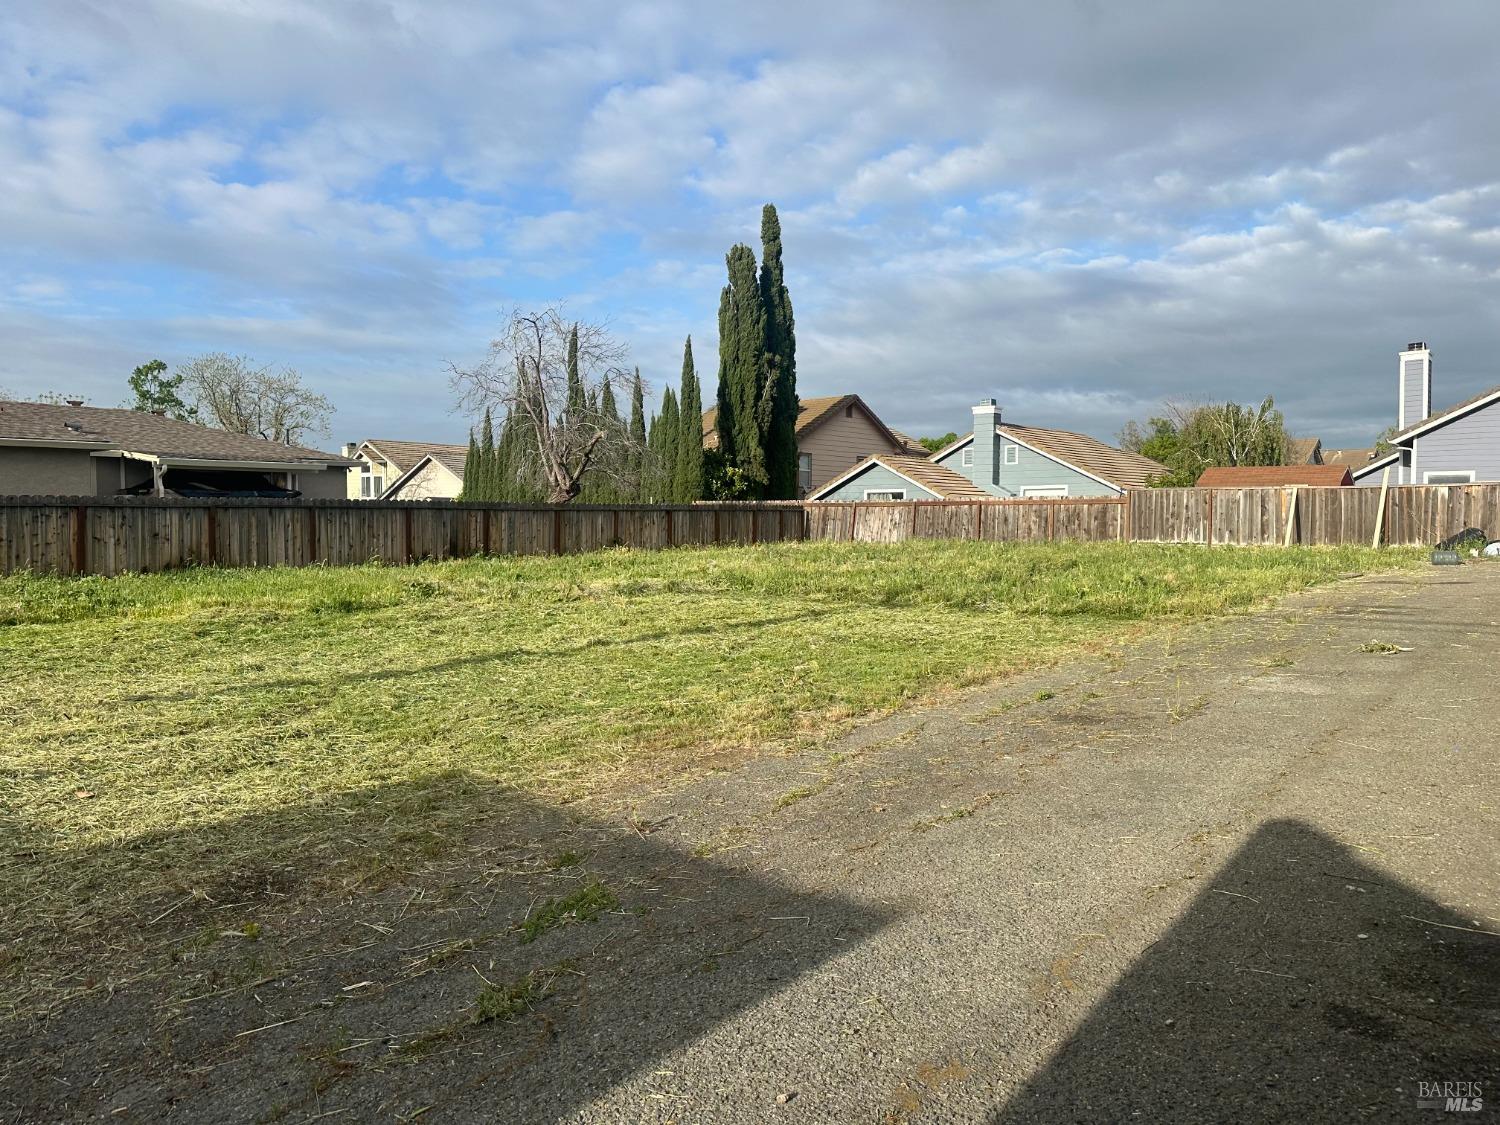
(967, 460)
(1379, 463)
(1011, 455)
(896, 493)
(959, 444)
(1448, 473)
(1454, 414)
(865, 465)
(401, 481)
(1050, 489)
(1066, 464)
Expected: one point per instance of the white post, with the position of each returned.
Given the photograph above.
(1385, 484)
(1291, 517)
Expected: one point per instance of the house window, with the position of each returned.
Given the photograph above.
(1012, 454)
(968, 456)
(371, 485)
(1464, 476)
(1043, 492)
(885, 494)
(804, 473)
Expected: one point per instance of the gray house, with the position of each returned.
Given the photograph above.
(1006, 461)
(1460, 445)
(77, 450)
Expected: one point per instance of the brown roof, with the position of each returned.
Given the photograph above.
(1457, 408)
(1269, 476)
(1114, 466)
(1302, 450)
(1352, 457)
(813, 412)
(139, 432)
(937, 479)
(910, 444)
(405, 454)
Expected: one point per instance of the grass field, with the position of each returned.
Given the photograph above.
(206, 732)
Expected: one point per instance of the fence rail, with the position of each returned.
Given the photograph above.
(113, 535)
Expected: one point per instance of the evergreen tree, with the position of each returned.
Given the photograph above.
(666, 435)
(635, 471)
(576, 405)
(780, 364)
(485, 478)
(688, 475)
(471, 469)
(744, 408)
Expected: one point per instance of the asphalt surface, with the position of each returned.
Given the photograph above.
(1247, 871)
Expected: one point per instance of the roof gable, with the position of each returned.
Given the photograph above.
(939, 480)
(811, 413)
(405, 454)
(1453, 413)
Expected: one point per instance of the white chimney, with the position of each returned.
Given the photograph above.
(1414, 400)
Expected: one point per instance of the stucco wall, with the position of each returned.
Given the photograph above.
(877, 478)
(839, 444)
(1031, 470)
(25, 471)
(432, 482)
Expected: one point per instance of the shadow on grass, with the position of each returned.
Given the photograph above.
(290, 995)
(408, 671)
(1300, 985)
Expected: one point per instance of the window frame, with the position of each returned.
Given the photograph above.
(371, 485)
(1449, 473)
(888, 495)
(804, 472)
(966, 459)
(1029, 492)
(1012, 454)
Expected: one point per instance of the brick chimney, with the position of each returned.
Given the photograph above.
(986, 418)
(1414, 375)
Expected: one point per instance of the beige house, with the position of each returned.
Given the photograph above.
(383, 462)
(69, 449)
(834, 433)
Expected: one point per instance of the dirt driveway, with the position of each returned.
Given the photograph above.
(1249, 871)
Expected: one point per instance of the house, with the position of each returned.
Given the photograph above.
(439, 475)
(834, 433)
(1460, 445)
(76, 450)
(1304, 451)
(900, 476)
(382, 462)
(1002, 460)
(1354, 458)
(1275, 476)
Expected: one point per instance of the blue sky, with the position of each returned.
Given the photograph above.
(1080, 209)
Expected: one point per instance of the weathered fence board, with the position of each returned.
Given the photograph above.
(115, 535)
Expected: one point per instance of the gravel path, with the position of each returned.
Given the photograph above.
(1244, 872)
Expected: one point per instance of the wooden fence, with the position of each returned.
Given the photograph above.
(1411, 515)
(113, 535)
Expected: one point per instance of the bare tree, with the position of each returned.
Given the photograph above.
(548, 374)
(232, 393)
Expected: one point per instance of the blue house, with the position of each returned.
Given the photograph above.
(1459, 446)
(1004, 461)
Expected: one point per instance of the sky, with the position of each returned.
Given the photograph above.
(1079, 209)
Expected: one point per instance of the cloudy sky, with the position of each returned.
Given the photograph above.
(1078, 208)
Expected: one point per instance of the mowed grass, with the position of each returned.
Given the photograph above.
(223, 733)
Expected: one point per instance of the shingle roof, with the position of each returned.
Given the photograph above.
(937, 479)
(812, 412)
(1271, 476)
(1456, 408)
(1354, 458)
(405, 454)
(139, 432)
(1302, 450)
(1114, 466)
(910, 444)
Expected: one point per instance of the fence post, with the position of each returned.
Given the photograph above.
(718, 535)
(406, 534)
(484, 531)
(81, 539)
(978, 520)
(754, 526)
(853, 512)
(557, 531)
(1208, 530)
(1051, 521)
(1385, 489)
(312, 535)
(671, 536)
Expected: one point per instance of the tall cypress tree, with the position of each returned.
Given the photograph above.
(471, 469)
(688, 477)
(576, 402)
(635, 469)
(670, 426)
(485, 482)
(781, 363)
(743, 407)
